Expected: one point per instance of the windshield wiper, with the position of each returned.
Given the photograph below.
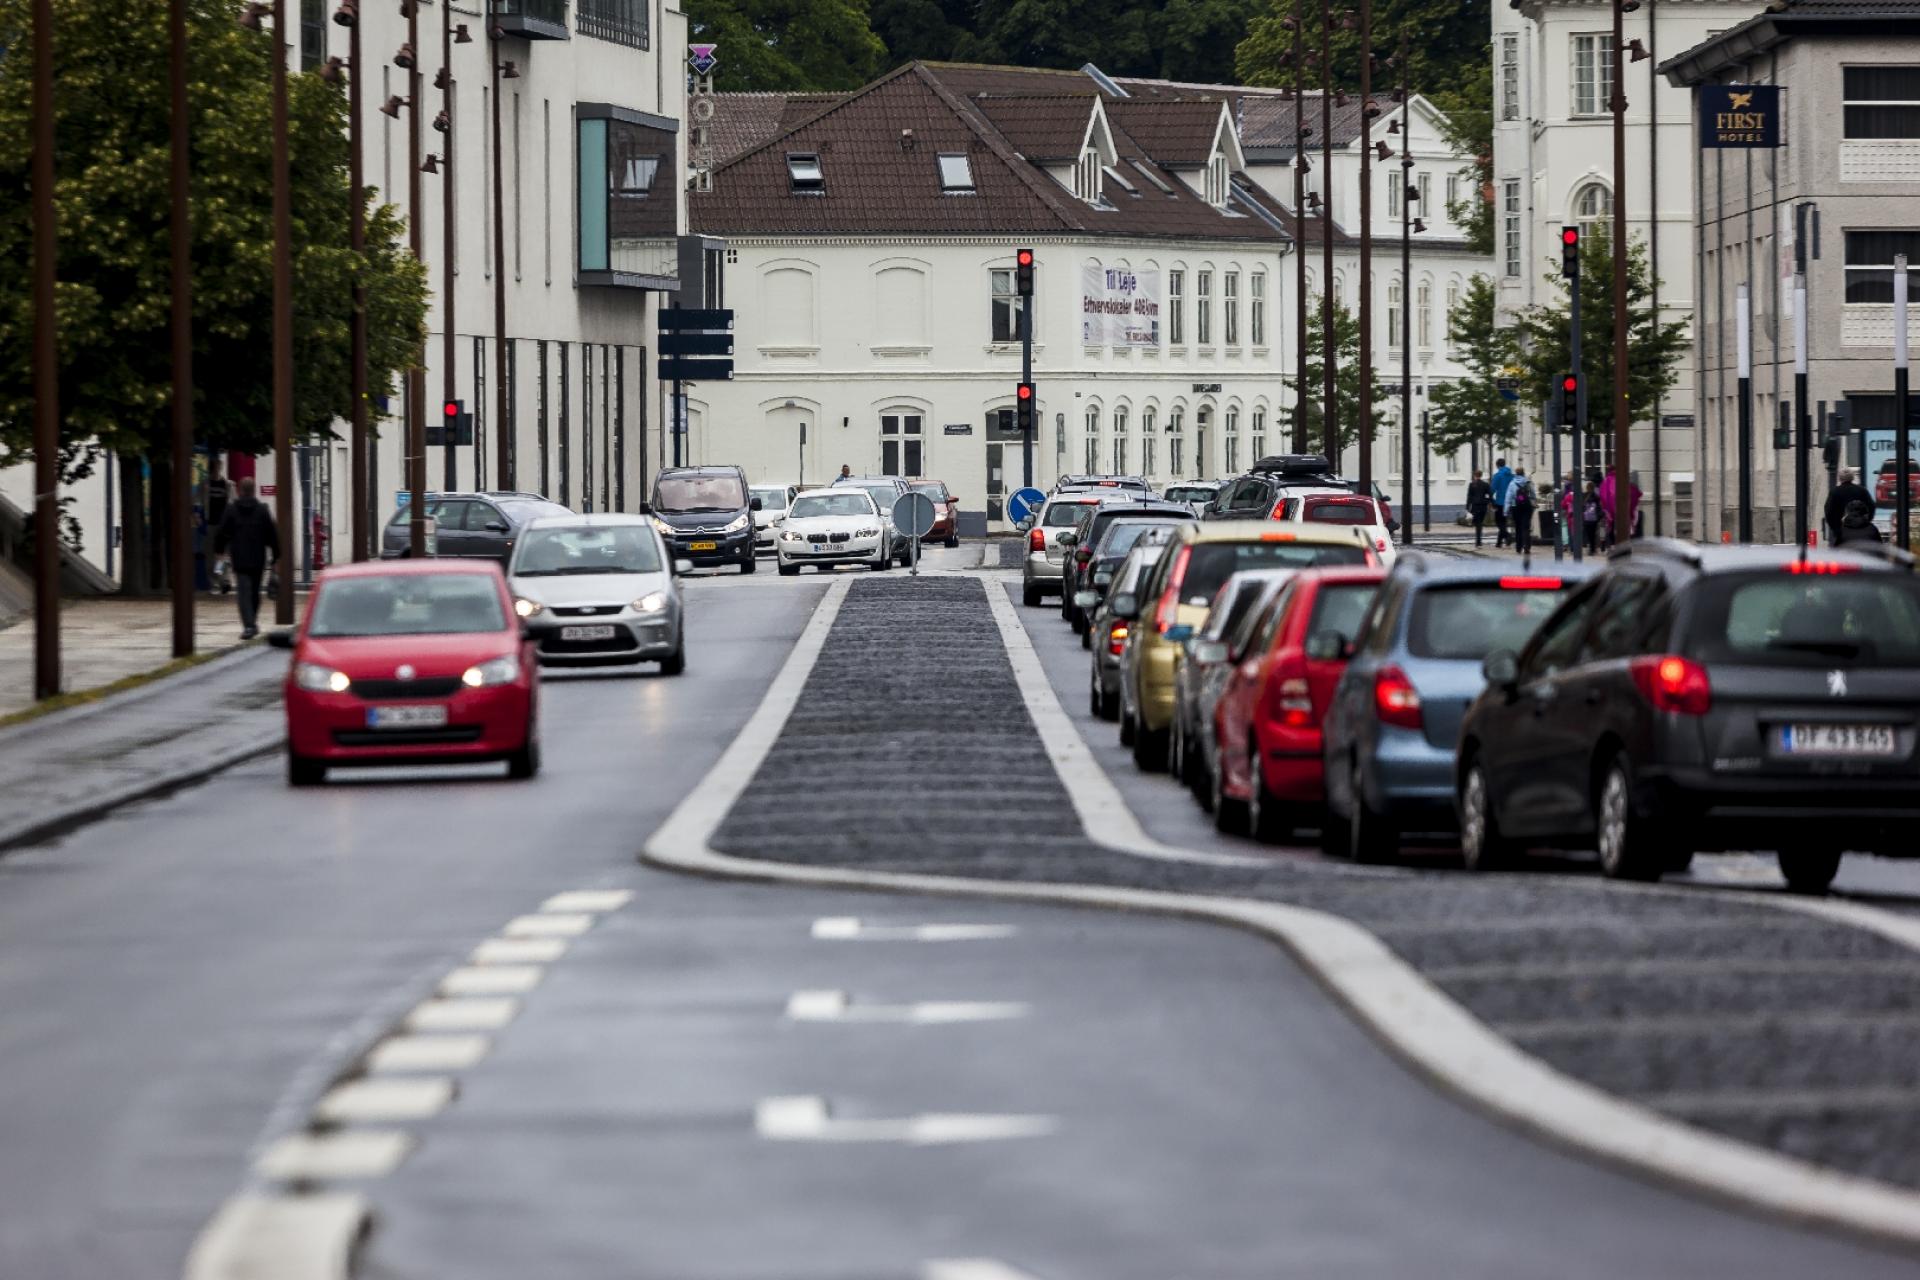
(689, 511)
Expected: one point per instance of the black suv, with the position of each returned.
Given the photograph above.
(485, 525)
(1253, 495)
(1704, 698)
(705, 514)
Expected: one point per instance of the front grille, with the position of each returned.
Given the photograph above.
(583, 610)
(451, 735)
(381, 690)
(621, 639)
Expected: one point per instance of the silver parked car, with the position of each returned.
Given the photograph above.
(1040, 572)
(774, 501)
(600, 590)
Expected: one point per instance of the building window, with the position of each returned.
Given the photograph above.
(1233, 441)
(626, 205)
(1259, 434)
(1446, 323)
(1510, 224)
(1007, 305)
(804, 174)
(1176, 444)
(1201, 418)
(1593, 208)
(1423, 316)
(1093, 440)
(1394, 179)
(1257, 307)
(1216, 181)
(1423, 183)
(313, 33)
(1393, 452)
(1176, 308)
(1059, 442)
(621, 21)
(956, 174)
(1230, 306)
(1453, 463)
(1592, 74)
(1120, 440)
(1086, 176)
(1149, 444)
(1882, 102)
(1203, 308)
(1870, 265)
(1453, 189)
(1510, 77)
(901, 440)
(1393, 316)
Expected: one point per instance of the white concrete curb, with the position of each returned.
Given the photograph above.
(1410, 1016)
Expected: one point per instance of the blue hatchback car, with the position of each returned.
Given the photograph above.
(1394, 724)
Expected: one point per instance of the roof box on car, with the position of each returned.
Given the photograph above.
(1294, 464)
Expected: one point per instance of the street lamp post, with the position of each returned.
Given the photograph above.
(1408, 194)
(348, 16)
(416, 376)
(46, 373)
(1622, 426)
(502, 431)
(1329, 427)
(448, 342)
(181, 235)
(1299, 442)
(282, 320)
(1366, 247)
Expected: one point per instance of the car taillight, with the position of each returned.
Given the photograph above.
(1673, 683)
(1514, 583)
(1083, 555)
(1280, 510)
(1820, 567)
(1168, 610)
(1117, 638)
(1395, 700)
(1036, 539)
(1379, 544)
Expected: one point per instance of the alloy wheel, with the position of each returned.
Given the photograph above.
(1613, 821)
(1473, 818)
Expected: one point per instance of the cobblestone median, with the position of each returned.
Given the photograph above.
(910, 750)
(1011, 551)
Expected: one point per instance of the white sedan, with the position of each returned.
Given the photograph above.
(827, 527)
(1340, 506)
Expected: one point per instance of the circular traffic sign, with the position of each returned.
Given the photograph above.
(1023, 503)
(913, 513)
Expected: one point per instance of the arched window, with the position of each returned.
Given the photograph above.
(1423, 315)
(1059, 443)
(1202, 419)
(1233, 441)
(1120, 440)
(1176, 442)
(1259, 448)
(1593, 207)
(1149, 444)
(1393, 316)
(1093, 439)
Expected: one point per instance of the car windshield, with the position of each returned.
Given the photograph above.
(550, 553)
(1863, 619)
(718, 492)
(1136, 568)
(1212, 563)
(1470, 621)
(770, 499)
(1122, 534)
(1339, 606)
(935, 490)
(1061, 515)
(407, 604)
(1339, 511)
(1190, 493)
(831, 504)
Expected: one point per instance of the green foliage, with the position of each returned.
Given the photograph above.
(799, 45)
(1654, 350)
(1346, 379)
(1469, 130)
(1445, 41)
(111, 193)
(1472, 408)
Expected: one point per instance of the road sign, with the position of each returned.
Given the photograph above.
(683, 343)
(1507, 383)
(913, 513)
(701, 58)
(1023, 503)
(689, 369)
(694, 318)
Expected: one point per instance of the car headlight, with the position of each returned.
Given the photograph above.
(652, 602)
(315, 678)
(666, 530)
(737, 524)
(788, 535)
(501, 670)
(527, 608)
(866, 533)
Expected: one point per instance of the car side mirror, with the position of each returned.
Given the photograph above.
(1210, 652)
(682, 566)
(1125, 605)
(1326, 646)
(1086, 599)
(1069, 539)
(494, 526)
(281, 639)
(1178, 634)
(1024, 525)
(754, 505)
(1502, 669)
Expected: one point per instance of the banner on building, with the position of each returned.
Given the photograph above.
(1739, 115)
(1119, 307)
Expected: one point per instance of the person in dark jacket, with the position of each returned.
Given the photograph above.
(248, 537)
(1479, 498)
(1844, 495)
(1856, 525)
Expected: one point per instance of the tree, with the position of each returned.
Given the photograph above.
(1469, 130)
(1472, 409)
(789, 45)
(1447, 43)
(111, 199)
(1346, 379)
(1654, 349)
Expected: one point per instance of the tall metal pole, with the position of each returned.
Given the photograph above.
(1299, 441)
(1329, 395)
(182, 325)
(46, 373)
(1406, 303)
(360, 517)
(1366, 248)
(283, 479)
(502, 426)
(1622, 424)
(1802, 427)
(1743, 342)
(1902, 447)
(416, 242)
(1579, 422)
(449, 348)
(1426, 477)
(1026, 376)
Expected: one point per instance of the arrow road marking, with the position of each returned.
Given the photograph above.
(854, 929)
(805, 1119)
(835, 1006)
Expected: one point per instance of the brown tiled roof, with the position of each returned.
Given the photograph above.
(1040, 129)
(1177, 133)
(970, 79)
(1263, 116)
(742, 121)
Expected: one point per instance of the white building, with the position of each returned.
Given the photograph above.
(1553, 166)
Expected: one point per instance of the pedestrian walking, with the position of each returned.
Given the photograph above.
(1843, 495)
(248, 537)
(1501, 482)
(1479, 498)
(846, 473)
(1520, 504)
(1590, 518)
(1856, 525)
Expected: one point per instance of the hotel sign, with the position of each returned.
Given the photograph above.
(1739, 115)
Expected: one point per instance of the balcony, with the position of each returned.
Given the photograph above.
(532, 19)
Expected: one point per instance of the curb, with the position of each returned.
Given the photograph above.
(228, 659)
(1409, 1016)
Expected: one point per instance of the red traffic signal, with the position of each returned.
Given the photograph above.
(1569, 251)
(452, 409)
(1025, 391)
(1569, 235)
(1570, 383)
(1023, 272)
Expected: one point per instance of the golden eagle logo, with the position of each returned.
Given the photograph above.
(1735, 101)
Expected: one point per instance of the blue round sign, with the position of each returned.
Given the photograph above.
(1023, 503)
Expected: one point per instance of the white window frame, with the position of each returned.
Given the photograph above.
(1510, 76)
(1092, 442)
(1257, 308)
(1149, 451)
(1230, 307)
(1593, 194)
(956, 172)
(1203, 308)
(1258, 444)
(1423, 183)
(1846, 130)
(1510, 226)
(1393, 193)
(1590, 64)
(1446, 321)
(1177, 307)
(1395, 294)
(1120, 440)
(1231, 435)
(1176, 442)
(1423, 315)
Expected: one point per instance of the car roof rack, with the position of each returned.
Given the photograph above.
(1293, 464)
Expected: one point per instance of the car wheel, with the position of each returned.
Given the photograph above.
(302, 772)
(789, 570)
(1030, 594)
(1127, 727)
(1149, 748)
(883, 564)
(1629, 847)
(1266, 816)
(525, 762)
(1229, 815)
(906, 557)
(749, 565)
(1809, 870)
(1482, 846)
(1086, 639)
(1371, 839)
(1105, 705)
(676, 662)
(1079, 621)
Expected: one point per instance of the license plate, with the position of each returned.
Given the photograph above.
(586, 633)
(703, 546)
(430, 717)
(1849, 741)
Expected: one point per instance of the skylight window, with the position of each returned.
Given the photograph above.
(803, 170)
(956, 173)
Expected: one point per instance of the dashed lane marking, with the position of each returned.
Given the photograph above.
(340, 1156)
(575, 900)
(491, 980)
(853, 929)
(519, 951)
(806, 1119)
(970, 1269)
(428, 1053)
(385, 1100)
(256, 1236)
(835, 1006)
(473, 1013)
(549, 924)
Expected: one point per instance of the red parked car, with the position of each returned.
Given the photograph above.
(1267, 723)
(410, 662)
(946, 512)
(1883, 485)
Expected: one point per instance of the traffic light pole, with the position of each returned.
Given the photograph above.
(1579, 402)
(1902, 449)
(1744, 346)
(1024, 282)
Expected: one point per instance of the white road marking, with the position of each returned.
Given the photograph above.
(491, 980)
(970, 1269)
(428, 1053)
(273, 1237)
(332, 1157)
(853, 929)
(575, 900)
(519, 951)
(549, 924)
(386, 1100)
(806, 1119)
(834, 1006)
(478, 1013)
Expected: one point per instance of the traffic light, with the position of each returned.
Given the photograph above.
(452, 409)
(1023, 406)
(1023, 273)
(1570, 252)
(1569, 400)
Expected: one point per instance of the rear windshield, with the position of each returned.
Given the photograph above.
(587, 549)
(1469, 622)
(1339, 607)
(523, 510)
(1213, 563)
(408, 604)
(1144, 559)
(1062, 514)
(1339, 511)
(835, 504)
(699, 493)
(1190, 493)
(1121, 535)
(1793, 620)
(933, 489)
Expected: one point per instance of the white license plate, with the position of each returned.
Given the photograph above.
(430, 717)
(586, 633)
(1851, 741)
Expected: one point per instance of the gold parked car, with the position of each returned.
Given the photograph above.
(1172, 604)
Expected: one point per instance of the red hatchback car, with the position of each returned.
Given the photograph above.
(946, 512)
(410, 662)
(1267, 722)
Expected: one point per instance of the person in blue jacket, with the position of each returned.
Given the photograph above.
(1502, 480)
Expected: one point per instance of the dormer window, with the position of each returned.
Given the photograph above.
(1086, 176)
(1217, 188)
(803, 171)
(956, 174)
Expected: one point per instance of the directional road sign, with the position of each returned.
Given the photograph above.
(1023, 503)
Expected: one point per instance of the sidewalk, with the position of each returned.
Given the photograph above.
(107, 639)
